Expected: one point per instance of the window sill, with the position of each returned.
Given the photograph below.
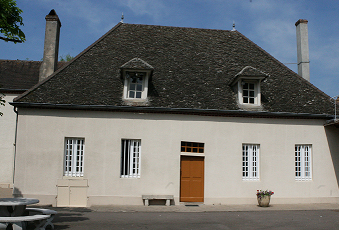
(250, 107)
(129, 177)
(250, 179)
(135, 102)
(73, 178)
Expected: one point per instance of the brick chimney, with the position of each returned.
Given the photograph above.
(51, 46)
(302, 47)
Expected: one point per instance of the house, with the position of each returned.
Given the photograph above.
(203, 115)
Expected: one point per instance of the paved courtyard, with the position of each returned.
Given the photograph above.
(312, 216)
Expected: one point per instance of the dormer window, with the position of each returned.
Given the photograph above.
(136, 74)
(135, 84)
(247, 86)
(248, 93)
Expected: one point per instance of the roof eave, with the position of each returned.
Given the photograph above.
(216, 112)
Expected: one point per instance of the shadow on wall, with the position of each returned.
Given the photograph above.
(17, 192)
(332, 134)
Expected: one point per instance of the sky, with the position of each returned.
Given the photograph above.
(268, 23)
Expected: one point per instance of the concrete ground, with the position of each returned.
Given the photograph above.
(297, 216)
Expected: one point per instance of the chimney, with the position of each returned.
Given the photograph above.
(51, 46)
(302, 46)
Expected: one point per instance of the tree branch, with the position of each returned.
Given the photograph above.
(10, 40)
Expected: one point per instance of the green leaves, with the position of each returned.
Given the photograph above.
(10, 20)
(2, 102)
(68, 57)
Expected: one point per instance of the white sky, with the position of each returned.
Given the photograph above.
(268, 23)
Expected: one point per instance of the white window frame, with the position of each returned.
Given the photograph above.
(257, 94)
(250, 162)
(130, 158)
(303, 162)
(127, 81)
(74, 157)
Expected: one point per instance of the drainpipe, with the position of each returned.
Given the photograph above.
(15, 138)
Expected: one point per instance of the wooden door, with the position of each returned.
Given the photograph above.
(192, 179)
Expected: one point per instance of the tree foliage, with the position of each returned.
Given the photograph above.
(10, 20)
(68, 57)
(2, 102)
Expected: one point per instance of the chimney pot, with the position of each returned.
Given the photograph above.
(301, 21)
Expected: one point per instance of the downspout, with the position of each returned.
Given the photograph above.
(15, 138)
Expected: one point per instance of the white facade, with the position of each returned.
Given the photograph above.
(41, 147)
(7, 137)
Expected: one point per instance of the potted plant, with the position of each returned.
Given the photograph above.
(264, 197)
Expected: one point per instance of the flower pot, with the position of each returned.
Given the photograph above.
(264, 201)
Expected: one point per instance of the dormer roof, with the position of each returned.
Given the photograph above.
(137, 64)
(249, 72)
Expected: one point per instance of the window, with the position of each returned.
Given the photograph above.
(130, 158)
(248, 93)
(192, 147)
(250, 162)
(246, 84)
(136, 74)
(74, 157)
(303, 163)
(136, 84)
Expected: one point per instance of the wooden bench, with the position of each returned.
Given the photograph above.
(168, 198)
(50, 212)
(18, 222)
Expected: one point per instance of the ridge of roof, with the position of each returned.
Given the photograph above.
(182, 27)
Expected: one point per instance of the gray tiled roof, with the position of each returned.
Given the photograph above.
(18, 76)
(192, 69)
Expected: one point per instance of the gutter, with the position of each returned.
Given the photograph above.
(210, 112)
(12, 90)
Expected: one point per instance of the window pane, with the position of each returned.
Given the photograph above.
(251, 93)
(131, 94)
(139, 87)
(245, 86)
(138, 95)
(251, 86)
(132, 87)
